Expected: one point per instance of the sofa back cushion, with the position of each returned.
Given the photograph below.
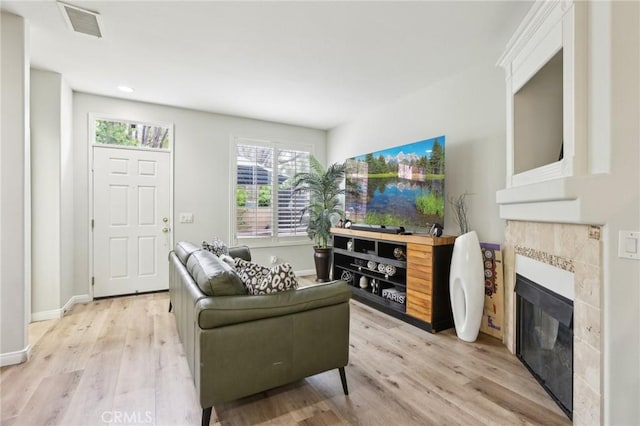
(213, 276)
(184, 249)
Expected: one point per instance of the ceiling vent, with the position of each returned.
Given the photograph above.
(81, 20)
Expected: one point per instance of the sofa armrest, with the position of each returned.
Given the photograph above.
(242, 252)
(213, 312)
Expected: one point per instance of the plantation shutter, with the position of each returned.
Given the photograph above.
(265, 206)
(290, 205)
(254, 191)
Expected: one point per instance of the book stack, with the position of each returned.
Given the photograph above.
(394, 295)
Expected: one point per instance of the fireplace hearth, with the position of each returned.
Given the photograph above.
(544, 339)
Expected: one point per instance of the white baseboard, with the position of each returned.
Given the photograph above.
(79, 298)
(59, 313)
(17, 357)
(305, 272)
(46, 315)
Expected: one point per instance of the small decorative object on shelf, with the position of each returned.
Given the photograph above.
(374, 286)
(372, 265)
(381, 268)
(364, 282)
(346, 276)
(395, 295)
(399, 254)
(350, 245)
(390, 270)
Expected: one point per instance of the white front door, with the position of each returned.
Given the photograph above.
(132, 220)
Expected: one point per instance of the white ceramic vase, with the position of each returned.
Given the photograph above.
(466, 286)
(364, 282)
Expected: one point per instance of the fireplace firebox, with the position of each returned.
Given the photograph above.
(544, 339)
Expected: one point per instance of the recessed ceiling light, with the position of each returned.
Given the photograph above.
(125, 89)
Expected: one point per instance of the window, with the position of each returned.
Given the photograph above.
(265, 206)
(122, 133)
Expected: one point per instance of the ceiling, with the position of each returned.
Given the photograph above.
(314, 64)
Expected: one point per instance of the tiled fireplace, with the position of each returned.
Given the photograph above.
(575, 249)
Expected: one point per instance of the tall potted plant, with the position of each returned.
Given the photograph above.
(323, 209)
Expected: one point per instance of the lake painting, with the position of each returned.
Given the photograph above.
(399, 186)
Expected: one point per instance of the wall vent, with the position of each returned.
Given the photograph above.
(81, 20)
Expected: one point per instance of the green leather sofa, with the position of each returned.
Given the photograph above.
(237, 344)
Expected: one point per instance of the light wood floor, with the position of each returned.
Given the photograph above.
(119, 361)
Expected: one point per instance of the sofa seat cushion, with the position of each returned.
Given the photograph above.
(184, 249)
(213, 276)
(260, 279)
(213, 312)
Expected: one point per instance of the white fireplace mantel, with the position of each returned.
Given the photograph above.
(548, 201)
(576, 199)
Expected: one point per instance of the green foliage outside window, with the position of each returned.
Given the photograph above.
(264, 196)
(241, 197)
(131, 134)
(114, 133)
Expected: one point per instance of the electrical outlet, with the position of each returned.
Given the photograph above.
(186, 217)
(274, 260)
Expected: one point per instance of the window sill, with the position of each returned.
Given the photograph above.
(252, 243)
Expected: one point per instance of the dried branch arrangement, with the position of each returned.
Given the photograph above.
(459, 205)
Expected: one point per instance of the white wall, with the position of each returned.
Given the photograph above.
(469, 109)
(45, 167)
(620, 205)
(67, 214)
(15, 227)
(52, 190)
(201, 171)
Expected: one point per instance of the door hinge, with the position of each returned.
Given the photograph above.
(92, 224)
(93, 281)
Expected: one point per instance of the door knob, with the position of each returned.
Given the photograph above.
(165, 219)
(165, 230)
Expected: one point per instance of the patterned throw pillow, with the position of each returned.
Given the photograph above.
(279, 278)
(262, 280)
(216, 246)
(250, 273)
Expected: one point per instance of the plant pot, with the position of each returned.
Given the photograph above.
(322, 259)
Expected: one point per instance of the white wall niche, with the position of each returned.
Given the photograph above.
(537, 110)
(545, 66)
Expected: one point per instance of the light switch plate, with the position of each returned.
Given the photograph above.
(629, 245)
(186, 217)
